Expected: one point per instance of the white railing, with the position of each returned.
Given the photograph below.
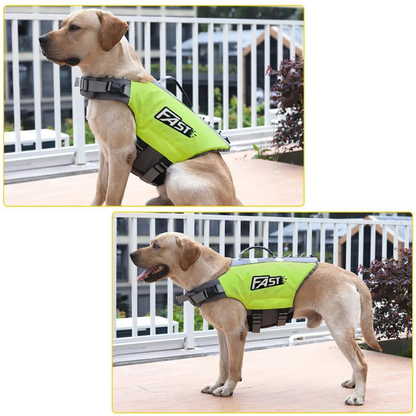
(232, 233)
(140, 29)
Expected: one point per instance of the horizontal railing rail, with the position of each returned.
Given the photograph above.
(243, 134)
(226, 239)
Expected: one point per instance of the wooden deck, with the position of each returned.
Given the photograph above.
(257, 182)
(298, 379)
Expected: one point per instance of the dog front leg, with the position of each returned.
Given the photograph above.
(120, 163)
(102, 182)
(235, 343)
(224, 360)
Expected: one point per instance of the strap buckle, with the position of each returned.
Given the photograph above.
(118, 88)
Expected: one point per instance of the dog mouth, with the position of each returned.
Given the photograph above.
(70, 61)
(154, 274)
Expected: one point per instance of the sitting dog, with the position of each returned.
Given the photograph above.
(330, 293)
(95, 41)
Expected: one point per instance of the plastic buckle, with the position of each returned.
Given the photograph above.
(84, 84)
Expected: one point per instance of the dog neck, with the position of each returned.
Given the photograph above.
(121, 62)
(209, 266)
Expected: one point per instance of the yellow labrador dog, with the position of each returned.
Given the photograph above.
(332, 294)
(95, 41)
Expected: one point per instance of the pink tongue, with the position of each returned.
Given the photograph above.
(146, 273)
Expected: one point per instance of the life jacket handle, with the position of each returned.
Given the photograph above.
(162, 80)
(260, 247)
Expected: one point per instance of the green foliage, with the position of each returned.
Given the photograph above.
(261, 153)
(187, 68)
(251, 12)
(8, 127)
(178, 317)
(68, 128)
(120, 314)
(232, 112)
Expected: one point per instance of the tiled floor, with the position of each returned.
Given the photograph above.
(258, 182)
(298, 379)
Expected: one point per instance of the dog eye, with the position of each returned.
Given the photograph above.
(73, 28)
(156, 246)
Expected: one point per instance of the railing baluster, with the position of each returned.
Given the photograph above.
(162, 49)
(253, 75)
(57, 97)
(292, 42)
(309, 239)
(206, 243)
(78, 119)
(222, 237)
(280, 239)
(114, 238)
(335, 245)
(170, 288)
(152, 285)
(373, 243)
(237, 238)
(348, 248)
(406, 236)
(211, 64)
(266, 77)
(361, 247)
(240, 98)
(265, 238)
(195, 68)
(132, 34)
(279, 46)
(225, 79)
(188, 309)
(16, 86)
(252, 238)
(147, 47)
(396, 243)
(37, 83)
(179, 58)
(133, 274)
(295, 239)
(384, 242)
(322, 243)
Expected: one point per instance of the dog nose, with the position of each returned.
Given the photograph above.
(133, 256)
(43, 39)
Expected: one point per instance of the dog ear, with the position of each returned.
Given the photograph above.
(112, 30)
(190, 252)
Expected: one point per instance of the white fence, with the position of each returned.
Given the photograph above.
(140, 33)
(228, 234)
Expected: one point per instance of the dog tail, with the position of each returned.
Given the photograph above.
(367, 316)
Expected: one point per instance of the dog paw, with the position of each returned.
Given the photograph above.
(354, 400)
(349, 384)
(209, 388)
(222, 392)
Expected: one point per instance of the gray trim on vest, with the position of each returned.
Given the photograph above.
(207, 292)
(242, 262)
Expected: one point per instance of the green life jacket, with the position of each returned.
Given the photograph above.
(266, 287)
(167, 131)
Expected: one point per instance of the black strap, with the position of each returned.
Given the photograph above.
(162, 80)
(251, 248)
(207, 292)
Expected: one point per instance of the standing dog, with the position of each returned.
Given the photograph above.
(95, 41)
(330, 293)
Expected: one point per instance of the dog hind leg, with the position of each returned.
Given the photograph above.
(342, 328)
(162, 199)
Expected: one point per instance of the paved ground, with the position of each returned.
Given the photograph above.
(298, 379)
(258, 183)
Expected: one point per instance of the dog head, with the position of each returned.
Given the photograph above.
(169, 254)
(82, 37)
